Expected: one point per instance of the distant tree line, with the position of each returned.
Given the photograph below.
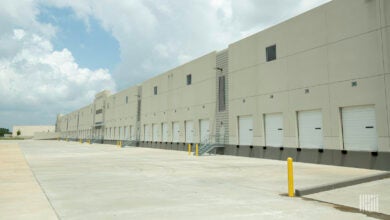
(4, 131)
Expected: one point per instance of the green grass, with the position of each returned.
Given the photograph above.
(10, 138)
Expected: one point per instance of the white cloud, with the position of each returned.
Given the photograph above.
(156, 36)
(153, 37)
(40, 79)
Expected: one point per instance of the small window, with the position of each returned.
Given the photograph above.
(189, 79)
(127, 99)
(271, 53)
(221, 94)
(155, 90)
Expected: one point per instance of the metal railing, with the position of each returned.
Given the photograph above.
(213, 141)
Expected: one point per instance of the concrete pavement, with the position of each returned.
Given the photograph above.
(96, 181)
(21, 196)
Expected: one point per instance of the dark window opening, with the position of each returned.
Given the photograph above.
(99, 111)
(189, 79)
(271, 53)
(221, 94)
(155, 90)
(127, 99)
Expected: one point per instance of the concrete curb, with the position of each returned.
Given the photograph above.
(321, 188)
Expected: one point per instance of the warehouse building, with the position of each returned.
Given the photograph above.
(315, 87)
(28, 131)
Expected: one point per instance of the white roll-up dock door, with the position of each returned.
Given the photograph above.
(132, 132)
(274, 130)
(165, 132)
(147, 133)
(359, 128)
(175, 132)
(245, 130)
(189, 131)
(310, 129)
(156, 132)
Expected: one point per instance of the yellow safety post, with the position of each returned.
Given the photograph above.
(290, 177)
(189, 149)
(197, 150)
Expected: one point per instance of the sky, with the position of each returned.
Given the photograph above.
(56, 55)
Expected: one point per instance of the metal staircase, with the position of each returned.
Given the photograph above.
(129, 143)
(212, 142)
(220, 126)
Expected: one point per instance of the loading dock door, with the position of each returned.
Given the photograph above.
(189, 132)
(204, 130)
(310, 129)
(165, 132)
(359, 128)
(147, 133)
(175, 132)
(132, 133)
(245, 130)
(273, 130)
(156, 132)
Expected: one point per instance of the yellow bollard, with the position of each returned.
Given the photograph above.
(290, 177)
(189, 149)
(197, 150)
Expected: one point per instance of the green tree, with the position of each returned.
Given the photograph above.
(18, 133)
(4, 131)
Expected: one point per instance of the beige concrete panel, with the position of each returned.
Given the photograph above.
(233, 126)
(277, 104)
(355, 57)
(251, 51)
(244, 53)
(349, 18)
(306, 31)
(308, 68)
(271, 77)
(242, 83)
(385, 147)
(386, 48)
(383, 144)
(370, 91)
(258, 133)
(386, 12)
(239, 107)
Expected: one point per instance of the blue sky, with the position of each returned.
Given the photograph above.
(56, 55)
(90, 44)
